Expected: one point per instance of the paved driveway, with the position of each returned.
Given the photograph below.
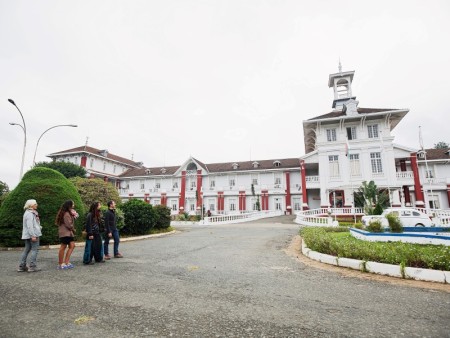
(221, 281)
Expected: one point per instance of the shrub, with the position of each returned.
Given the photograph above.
(140, 217)
(394, 223)
(345, 245)
(163, 216)
(375, 226)
(95, 189)
(358, 225)
(51, 189)
(120, 220)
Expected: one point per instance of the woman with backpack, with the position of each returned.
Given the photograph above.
(93, 247)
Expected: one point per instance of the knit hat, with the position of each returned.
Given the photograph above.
(29, 204)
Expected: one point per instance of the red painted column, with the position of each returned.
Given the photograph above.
(83, 161)
(220, 201)
(407, 195)
(417, 186)
(264, 200)
(182, 191)
(288, 193)
(304, 192)
(242, 200)
(199, 188)
(163, 198)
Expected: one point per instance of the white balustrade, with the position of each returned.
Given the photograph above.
(325, 216)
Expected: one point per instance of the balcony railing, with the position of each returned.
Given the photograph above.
(313, 179)
(405, 175)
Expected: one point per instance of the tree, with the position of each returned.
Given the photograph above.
(441, 145)
(66, 168)
(140, 217)
(373, 200)
(4, 190)
(95, 190)
(50, 189)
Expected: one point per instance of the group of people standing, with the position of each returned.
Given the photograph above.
(97, 236)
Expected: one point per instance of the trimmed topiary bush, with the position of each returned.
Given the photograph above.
(95, 190)
(50, 189)
(140, 217)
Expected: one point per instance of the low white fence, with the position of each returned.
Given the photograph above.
(232, 218)
(240, 218)
(325, 216)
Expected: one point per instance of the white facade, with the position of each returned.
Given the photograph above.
(98, 163)
(350, 145)
(343, 148)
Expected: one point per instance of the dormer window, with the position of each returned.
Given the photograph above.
(235, 166)
(255, 164)
(148, 171)
(276, 163)
(163, 170)
(104, 152)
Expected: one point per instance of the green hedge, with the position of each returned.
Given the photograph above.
(322, 240)
(50, 189)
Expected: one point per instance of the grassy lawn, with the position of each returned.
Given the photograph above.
(338, 242)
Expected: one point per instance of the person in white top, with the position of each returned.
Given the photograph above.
(31, 232)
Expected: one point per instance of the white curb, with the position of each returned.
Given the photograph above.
(354, 264)
(379, 268)
(384, 269)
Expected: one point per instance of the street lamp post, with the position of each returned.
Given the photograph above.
(37, 143)
(24, 128)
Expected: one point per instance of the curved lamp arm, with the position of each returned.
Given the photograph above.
(37, 143)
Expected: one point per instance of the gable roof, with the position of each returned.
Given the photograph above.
(94, 151)
(286, 163)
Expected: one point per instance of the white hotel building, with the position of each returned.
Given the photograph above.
(343, 148)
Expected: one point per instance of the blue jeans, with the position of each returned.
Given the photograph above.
(34, 248)
(115, 235)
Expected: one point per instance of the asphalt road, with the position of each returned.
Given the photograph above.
(215, 281)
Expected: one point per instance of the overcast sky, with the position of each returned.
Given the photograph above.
(217, 80)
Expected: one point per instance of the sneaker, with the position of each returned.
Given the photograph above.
(107, 257)
(34, 269)
(22, 269)
(70, 266)
(62, 267)
(119, 255)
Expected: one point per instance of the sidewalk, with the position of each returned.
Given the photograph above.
(78, 243)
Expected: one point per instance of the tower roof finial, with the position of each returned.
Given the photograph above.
(340, 66)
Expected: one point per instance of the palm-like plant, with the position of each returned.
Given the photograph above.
(373, 199)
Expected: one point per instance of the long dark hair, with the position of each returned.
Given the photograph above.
(67, 205)
(95, 212)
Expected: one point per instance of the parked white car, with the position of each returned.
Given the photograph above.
(409, 217)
